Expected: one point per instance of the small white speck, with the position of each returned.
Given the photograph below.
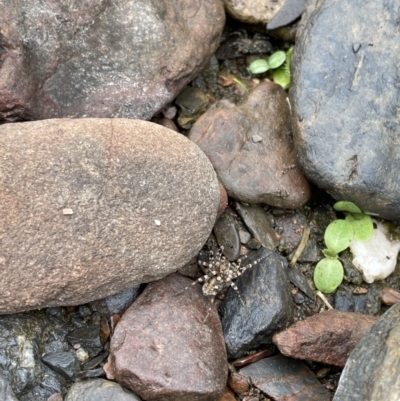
(68, 211)
(158, 222)
(256, 138)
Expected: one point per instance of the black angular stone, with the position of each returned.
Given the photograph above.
(64, 363)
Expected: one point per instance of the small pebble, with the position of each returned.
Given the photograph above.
(256, 138)
(81, 355)
(244, 236)
(158, 222)
(68, 211)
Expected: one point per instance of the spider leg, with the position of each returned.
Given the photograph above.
(209, 309)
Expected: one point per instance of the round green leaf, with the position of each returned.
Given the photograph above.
(345, 206)
(362, 225)
(259, 66)
(338, 235)
(276, 59)
(328, 275)
(281, 76)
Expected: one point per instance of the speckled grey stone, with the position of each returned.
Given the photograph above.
(144, 200)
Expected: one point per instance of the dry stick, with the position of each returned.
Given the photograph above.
(302, 245)
(324, 300)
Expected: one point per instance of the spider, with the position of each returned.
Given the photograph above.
(220, 272)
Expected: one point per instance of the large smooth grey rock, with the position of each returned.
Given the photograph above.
(143, 201)
(121, 58)
(372, 371)
(344, 96)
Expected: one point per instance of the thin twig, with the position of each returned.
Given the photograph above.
(324, 300)
(302, 245)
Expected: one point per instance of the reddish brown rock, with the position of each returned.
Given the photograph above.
(251, 148)
(166, 347)
(91, 207)
(390, 296)
(327, 337)
(227, 395)
(124, 58)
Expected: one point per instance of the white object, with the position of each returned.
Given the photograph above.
(375, 258)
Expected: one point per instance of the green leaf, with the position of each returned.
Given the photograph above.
(276, 59)
(328, 275)
(330, 254)
(345, 206)
(362, 225)
(259, 66)
(338, 235)
(281, 77)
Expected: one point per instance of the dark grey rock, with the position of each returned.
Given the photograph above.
(64, 363)
(123, 59)
(256, 220)
(95, 361)
(262, 306)
(369, 303)
(127, 182)
(116, 303)
(227, 235)
(312, 252)
(297, 278)
(168, 345)
(286, 379)
(23, 339)
(99, 390)
(289, 12)
(6, 393)
(192, 103)
(344, 96)
(372, 369)
(89, 338)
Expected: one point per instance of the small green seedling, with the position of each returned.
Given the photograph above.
(328, 273)
(278, 63)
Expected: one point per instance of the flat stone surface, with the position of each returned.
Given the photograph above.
(372, 370)
(285, 379)
(327, 337)
(169, 345)
(344, 97)
(99, 390)
(124, 59)
(261, 307)
(254, 172)
(6, 393)
(144, 201)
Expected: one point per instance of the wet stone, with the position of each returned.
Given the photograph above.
(116, 303)
(227, 235)
(137, 191)
(286, 379)
(290, 226)
(87, 337)
(344, 91)
(99, 390)
(254, 172)
(372, 369)
(311, 253)
(6, 393)
(297, 278)
(346, 300)
(261, 307)
(21, 345)
(64, 363)
(258, 223)
(326, 337)
(169, 344)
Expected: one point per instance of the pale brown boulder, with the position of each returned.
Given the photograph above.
(253, 11)
(328, 337)
(91, 207)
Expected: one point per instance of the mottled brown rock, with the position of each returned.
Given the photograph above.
(390, 296)
(253, 11)
(327, 337)
(121, 58)
(143, 201)
(239, 383)
(251, 148)
(166, 348)
(223, 202)
(227, 395)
